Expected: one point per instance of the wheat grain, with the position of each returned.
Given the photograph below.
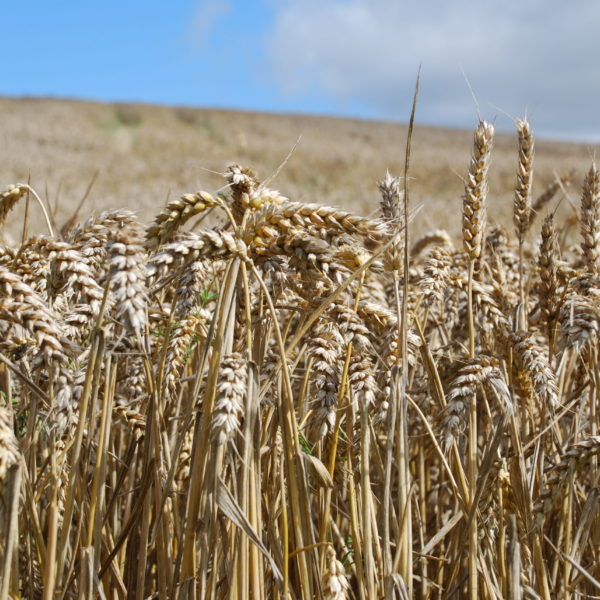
(580, 322)
(439, 238)
(549, 258)
(21, 305)
(335, 583)
(534, 365)
(9, 198)
(475, 373)
(325, 350)
(229, 405)
(174, 216)
(127, 278)
(522, 202)
(476, 188)
(576, 455)
(590, 220)
(294, 215)
(391, 196)
(193, 246)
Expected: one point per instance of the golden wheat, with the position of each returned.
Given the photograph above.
(274, 407)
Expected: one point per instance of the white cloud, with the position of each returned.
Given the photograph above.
(208, 14)
(540, 55)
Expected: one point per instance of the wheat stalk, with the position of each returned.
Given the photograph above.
(590, 220)
(297, 403)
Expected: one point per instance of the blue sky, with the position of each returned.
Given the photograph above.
(340, 57)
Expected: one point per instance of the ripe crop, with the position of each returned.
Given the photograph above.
(275, 407)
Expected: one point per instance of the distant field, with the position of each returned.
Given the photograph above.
(144, 154)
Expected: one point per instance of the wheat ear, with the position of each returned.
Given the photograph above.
(476, 188)
(590, 220)
(522, 202)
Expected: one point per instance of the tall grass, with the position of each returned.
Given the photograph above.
(284, 406)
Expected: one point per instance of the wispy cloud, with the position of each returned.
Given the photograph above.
(539, 55)
(208, 15)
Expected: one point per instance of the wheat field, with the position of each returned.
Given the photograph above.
(139, 156)
(254, 396)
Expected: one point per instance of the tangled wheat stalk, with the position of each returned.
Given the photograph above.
(206, 413)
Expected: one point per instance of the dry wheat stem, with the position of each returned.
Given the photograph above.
(297, 402)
